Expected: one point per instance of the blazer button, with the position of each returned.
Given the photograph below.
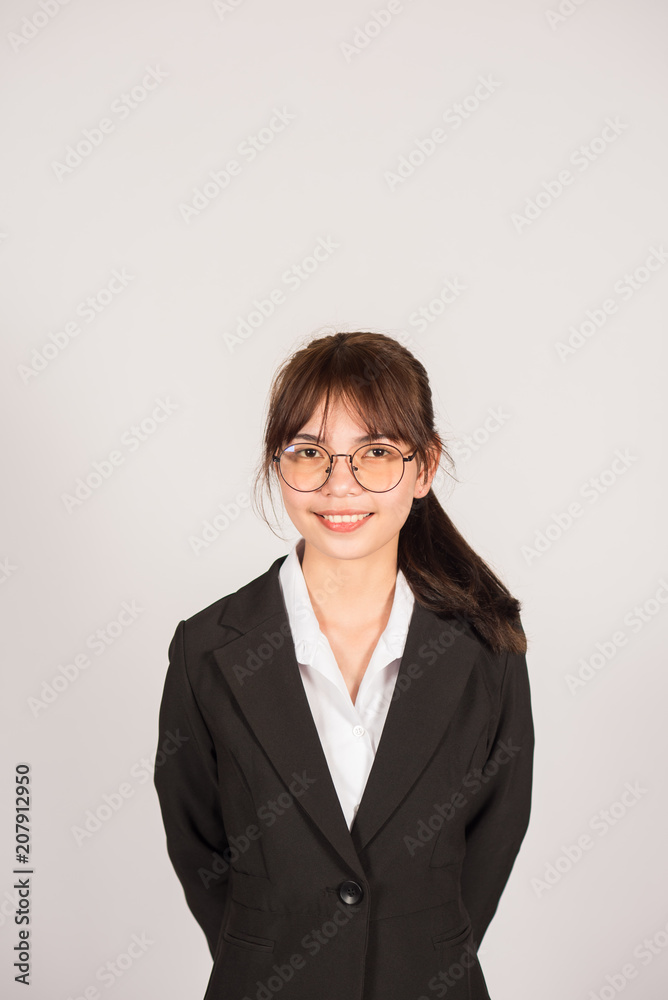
(350, 892)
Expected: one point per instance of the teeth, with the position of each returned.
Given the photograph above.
(339, 518)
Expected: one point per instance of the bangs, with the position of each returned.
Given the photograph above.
(369, 387)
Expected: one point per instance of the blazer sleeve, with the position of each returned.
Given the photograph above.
(186, 781)
(501, 799)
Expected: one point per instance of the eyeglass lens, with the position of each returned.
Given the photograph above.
(378, 466)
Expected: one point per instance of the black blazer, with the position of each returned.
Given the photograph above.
(292, 902)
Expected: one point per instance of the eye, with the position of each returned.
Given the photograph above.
(303, 451)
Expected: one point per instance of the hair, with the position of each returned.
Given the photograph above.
(378, 379)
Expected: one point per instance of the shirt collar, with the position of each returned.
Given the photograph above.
(305, 628)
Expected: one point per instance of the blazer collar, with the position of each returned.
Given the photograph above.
(305, 628)
(262, 673)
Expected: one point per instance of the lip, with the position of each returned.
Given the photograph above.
(342, 512)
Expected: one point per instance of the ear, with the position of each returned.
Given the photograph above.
(427, 472)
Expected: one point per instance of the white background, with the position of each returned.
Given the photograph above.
(166, 336)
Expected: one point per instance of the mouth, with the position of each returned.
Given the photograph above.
(343, 522)
(343, 518)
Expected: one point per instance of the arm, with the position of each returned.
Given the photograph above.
(502, 803)
(186, 781)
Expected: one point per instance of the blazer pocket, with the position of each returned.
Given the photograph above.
(243, 940)
(253, 891)
(451, 938)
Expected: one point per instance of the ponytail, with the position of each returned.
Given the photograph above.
(449, 578)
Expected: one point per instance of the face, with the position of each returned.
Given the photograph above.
(342, 494)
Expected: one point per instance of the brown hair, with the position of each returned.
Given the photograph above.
(388, 388)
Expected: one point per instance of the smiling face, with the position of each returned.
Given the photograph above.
(342, 494)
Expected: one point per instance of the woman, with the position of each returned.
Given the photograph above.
(348, 780)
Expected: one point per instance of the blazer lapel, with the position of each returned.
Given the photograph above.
(262, 673)
(435, 666)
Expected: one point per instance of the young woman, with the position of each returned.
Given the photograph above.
(347, 740)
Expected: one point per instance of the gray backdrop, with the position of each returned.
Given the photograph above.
(191, 191)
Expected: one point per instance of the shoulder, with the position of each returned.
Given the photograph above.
(495, 670)
(499, 682)
(234, 613)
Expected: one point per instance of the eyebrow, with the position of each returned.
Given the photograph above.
(360, 440)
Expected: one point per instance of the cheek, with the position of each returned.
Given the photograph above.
(295, 503)
(396, 510)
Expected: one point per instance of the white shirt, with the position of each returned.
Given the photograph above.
(349, 733)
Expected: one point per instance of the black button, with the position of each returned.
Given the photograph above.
(350, 892)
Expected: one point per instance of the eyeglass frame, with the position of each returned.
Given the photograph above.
(404, 458)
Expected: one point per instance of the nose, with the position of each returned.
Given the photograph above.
(341, 477)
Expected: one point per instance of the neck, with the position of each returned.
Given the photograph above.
(353, 591)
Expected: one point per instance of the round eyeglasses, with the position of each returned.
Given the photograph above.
(377, 467)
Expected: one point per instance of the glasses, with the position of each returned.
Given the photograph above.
(377, 467)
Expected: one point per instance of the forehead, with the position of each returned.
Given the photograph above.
(344, 420)
(360, 439)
